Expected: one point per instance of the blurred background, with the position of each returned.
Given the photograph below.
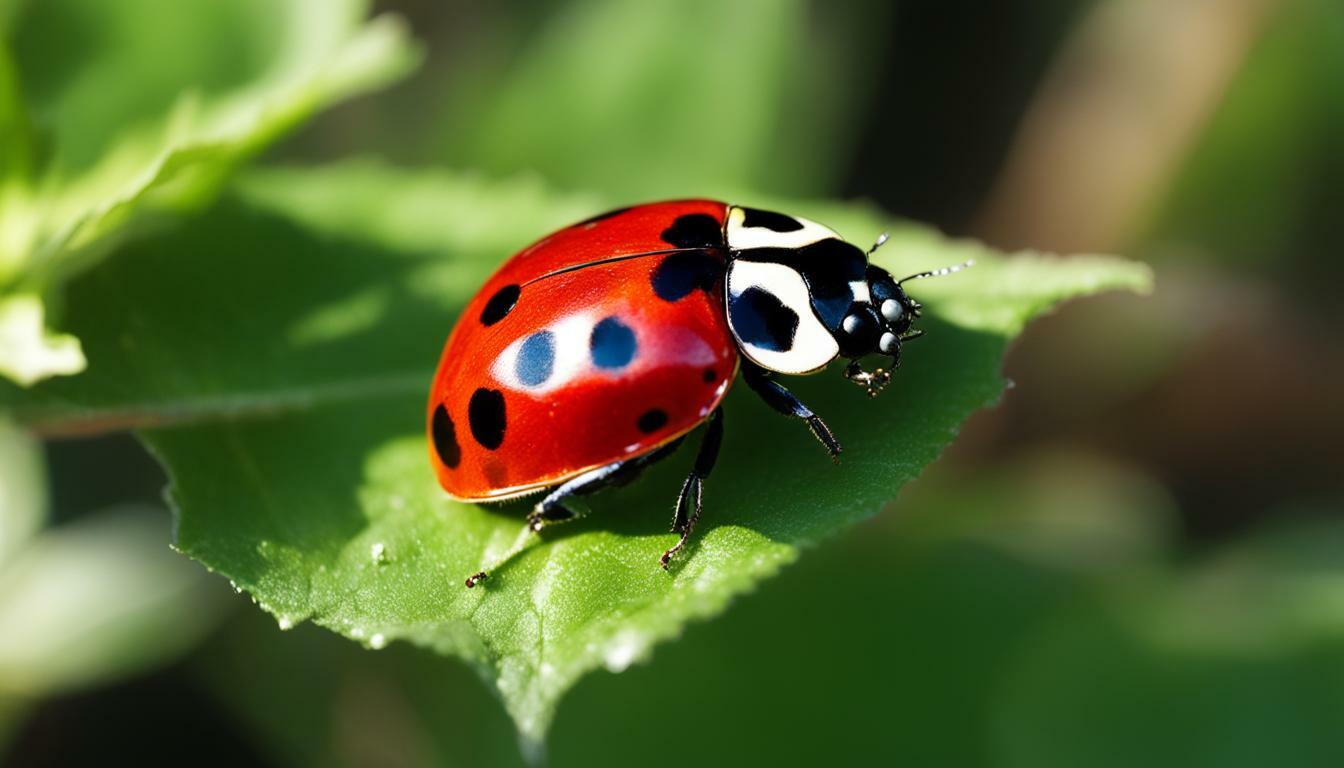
(1137, 558)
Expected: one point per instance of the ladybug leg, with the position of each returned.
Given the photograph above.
(688, 501)
(782, 400)
(553, 509)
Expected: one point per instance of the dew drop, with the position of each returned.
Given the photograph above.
(285, 623)
(378, 641)
(378, 552)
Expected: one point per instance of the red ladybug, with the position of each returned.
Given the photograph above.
(594, 352)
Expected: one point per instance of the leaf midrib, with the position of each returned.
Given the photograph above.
(86, 421)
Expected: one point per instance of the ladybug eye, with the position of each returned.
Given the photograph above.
(889, 343)
(892, 310)
(859, 331)
(857, 324)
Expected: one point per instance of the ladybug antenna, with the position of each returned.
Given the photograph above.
(939, 272)
(882, 238)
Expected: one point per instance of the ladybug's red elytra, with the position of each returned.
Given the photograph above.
(595, 351)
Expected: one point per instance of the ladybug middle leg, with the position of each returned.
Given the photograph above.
(688, 501)
(776, 396)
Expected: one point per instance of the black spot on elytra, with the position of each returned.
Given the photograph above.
(500, 305)
(445, 438)
(612, 344)
(536, 358)
(652, 420)
(827, 266)
(485, 414)
(694, 230)
(709, 376)
(680, 273)
(775, 222)
(762, 320)
(599, 217)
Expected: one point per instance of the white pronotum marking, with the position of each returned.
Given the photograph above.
(742, 238)
(813, 346)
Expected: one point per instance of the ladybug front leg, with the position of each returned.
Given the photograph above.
(782, 400)
(688, 501)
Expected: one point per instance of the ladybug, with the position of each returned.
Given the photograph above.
(594, 352)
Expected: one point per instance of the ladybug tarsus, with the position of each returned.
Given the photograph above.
(823, 434)
(689, 499)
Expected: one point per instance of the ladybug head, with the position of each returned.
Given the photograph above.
(799, 296)
(881, 324)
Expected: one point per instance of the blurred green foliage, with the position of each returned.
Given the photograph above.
(736, 112)
(1048, 593)
(109, 121)
(85, 601)
(1262, 188)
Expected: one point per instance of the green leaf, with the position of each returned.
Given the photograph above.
(316, 496)
(229, 80)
